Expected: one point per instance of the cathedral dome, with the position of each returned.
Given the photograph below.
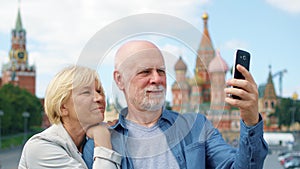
(217, 64)
(205, 16)
(180, 65)
(181, 85)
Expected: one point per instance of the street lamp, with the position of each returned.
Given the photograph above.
(1, 114)
(26, 115)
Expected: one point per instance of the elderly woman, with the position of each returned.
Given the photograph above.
(75, 105)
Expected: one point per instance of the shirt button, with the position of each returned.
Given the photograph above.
(251, 133)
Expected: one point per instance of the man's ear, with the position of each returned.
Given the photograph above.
(118, 79)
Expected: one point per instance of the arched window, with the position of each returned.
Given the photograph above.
(272, 104)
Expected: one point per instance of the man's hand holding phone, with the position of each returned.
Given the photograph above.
(244, 93)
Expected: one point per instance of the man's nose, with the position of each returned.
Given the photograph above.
(156, 78)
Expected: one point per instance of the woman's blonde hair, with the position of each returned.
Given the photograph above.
(60, 88)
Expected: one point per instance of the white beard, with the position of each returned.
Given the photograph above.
(155, 101)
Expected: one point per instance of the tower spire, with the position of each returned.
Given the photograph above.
(270, 77)
(205, 31)
(19, 26)
(270, 89)
(206, 51)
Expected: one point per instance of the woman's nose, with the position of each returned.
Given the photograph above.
(98, 97)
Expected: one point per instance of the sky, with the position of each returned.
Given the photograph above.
(58, 31)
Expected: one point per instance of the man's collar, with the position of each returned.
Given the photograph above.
(121, 121)
(167, 115)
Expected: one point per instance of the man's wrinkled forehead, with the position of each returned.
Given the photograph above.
(147, 58)
(143, 67)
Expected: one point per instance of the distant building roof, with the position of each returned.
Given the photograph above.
(181, 85)
(218, 64)
(180, 65)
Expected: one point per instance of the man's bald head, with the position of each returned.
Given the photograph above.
(134, 48)
(141, 74)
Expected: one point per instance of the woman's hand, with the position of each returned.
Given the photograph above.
(100, 134)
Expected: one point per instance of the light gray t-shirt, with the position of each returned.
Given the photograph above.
(148, 147)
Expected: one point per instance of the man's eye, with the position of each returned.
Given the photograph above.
(161, 72)
(145, 72)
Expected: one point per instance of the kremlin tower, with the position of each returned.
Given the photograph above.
(18, 71)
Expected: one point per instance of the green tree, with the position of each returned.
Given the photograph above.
(168, 105)
(15, 101)
(5, 107)
(287, 111)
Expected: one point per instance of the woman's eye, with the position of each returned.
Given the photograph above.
(86, 92)
(99, 91)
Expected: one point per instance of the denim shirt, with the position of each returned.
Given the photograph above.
(195, 143)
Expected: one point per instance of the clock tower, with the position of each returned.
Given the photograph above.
(18, 71)
(18, 52)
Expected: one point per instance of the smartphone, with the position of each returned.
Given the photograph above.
(243, 58)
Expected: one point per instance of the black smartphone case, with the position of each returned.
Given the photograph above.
(243, 58)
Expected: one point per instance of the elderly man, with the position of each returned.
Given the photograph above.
(149, 136)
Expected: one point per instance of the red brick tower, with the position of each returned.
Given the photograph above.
(17, 71)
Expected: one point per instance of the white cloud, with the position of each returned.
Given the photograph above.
(3, 59)
(3, 56)
(8, 15)
(291, 6)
